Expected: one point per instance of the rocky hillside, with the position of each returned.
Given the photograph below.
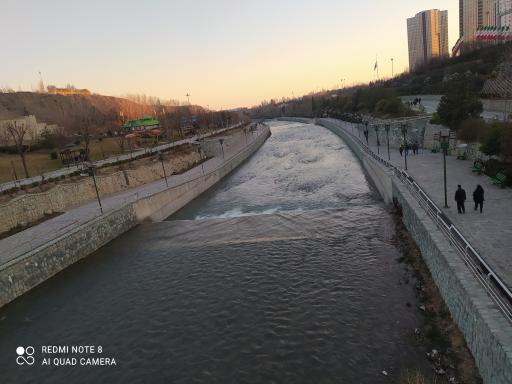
(71, 111)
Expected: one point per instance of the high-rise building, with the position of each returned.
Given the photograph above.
(475, 14)
(427, 34)
(505, 13)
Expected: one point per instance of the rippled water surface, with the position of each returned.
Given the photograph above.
(286, 272)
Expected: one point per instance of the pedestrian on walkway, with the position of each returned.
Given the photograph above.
(407, 147)
(401, 149)
(460, 198)
(478, 197)
(415, 147)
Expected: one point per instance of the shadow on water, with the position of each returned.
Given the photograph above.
(285, 272)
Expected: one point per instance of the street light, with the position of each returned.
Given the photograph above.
(445, 144)
(377, 127)
(221, 141)
(92, 172)
(161, 158)
(387, 127)
(404, 132)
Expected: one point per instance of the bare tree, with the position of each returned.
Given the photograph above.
(17, 131)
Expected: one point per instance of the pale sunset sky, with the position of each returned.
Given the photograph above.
(225, 53)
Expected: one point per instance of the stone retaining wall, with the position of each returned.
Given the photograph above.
(24, 273)
(33, 206)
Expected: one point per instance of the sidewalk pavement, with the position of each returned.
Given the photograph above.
(20, 243)
(490, 233)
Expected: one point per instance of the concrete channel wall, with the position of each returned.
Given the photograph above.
(24, 273)
(486, 331)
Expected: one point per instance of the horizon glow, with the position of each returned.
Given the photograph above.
(225, 53)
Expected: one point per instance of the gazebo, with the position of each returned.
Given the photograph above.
(147, 123)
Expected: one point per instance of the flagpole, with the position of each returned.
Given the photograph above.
(377, 66)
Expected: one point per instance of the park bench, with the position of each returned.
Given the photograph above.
(478, 168)
(500, 179)
(435, 150)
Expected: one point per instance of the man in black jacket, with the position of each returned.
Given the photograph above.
(460, 198)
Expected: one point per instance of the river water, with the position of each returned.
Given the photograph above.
(286, 272)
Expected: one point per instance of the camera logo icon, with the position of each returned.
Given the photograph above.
(25, 355)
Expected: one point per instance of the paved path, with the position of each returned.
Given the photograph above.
(34, 237)
(431, 102)
(490, 233)
(109, 161)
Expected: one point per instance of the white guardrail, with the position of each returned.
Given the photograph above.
(488, 278)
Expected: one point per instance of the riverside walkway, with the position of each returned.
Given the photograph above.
(30, 239)
(490, 233)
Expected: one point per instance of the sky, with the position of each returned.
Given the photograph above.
(224, 53)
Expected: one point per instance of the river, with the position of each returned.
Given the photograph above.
(286, 272)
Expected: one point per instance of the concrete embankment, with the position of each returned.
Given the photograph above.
(23, 273)
(487, 332)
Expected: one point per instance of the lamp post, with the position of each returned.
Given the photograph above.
(200, 151)
(445, 144)
(161, 158)
(221, 141)
(387, 127)
(92, 172)
(377, 127)
(404, 132)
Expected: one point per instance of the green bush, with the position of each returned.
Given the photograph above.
(53, 155)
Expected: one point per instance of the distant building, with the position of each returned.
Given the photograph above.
(427, 34)
(32, 127)
(505, 13)
(67, 91)
(483, 20)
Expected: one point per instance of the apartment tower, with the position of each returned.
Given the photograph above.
(427, 34)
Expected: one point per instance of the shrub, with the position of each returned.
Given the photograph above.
(472, 130)
(491, 141)
(53, 155)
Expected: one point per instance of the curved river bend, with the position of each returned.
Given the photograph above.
(286, 272)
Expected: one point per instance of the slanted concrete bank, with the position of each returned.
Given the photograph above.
(487, 332)
(23, 273)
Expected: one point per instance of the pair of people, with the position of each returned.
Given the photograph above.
(478, 198)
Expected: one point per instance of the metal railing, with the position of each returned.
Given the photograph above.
(497, 290)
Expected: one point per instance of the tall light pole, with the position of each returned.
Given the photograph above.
(404, 132)
(92, 172)
(161, 158)
(387, 127)
(221, 141)
(445, 144)
(376, 127)
(392, 67)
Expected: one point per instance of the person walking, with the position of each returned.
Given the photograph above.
(460, 198)
(478, 198)
(415, 148)
(401, 149)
